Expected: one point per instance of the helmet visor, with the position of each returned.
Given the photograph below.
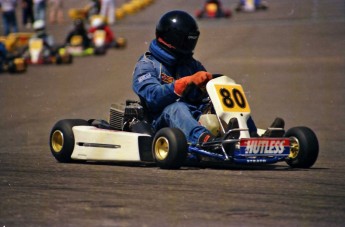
(189, 42)
(180, 42)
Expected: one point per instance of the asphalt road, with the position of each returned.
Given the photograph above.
(291, 63)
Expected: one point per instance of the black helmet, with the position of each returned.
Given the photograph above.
(177, 32)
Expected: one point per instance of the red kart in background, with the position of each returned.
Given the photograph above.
(213, 9)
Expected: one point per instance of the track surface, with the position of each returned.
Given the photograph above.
(290, 61)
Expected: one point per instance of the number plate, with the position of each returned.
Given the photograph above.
(99, 34)
(232, 98)
(76, 40)
(36, 44)
(265, 147)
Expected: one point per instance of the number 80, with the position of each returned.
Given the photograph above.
(230, 99)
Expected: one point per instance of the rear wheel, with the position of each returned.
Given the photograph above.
(62, 139)
(58, 59)
(69, 59)
(304, 147)
(100, 50)
(170, 148)
(11, 67)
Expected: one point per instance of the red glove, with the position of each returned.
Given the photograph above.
(199, 79)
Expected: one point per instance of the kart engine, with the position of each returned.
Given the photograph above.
(124, 117)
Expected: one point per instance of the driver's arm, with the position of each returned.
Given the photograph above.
(146, 85)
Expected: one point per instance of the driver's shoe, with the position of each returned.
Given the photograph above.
(205, 138)
(276, 129)
(208, 139)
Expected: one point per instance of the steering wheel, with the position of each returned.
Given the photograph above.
(195, 94)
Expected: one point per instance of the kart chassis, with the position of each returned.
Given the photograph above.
(128, 137)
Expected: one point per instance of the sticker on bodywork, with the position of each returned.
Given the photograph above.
(265, 147)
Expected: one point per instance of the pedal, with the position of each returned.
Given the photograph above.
(233, 134)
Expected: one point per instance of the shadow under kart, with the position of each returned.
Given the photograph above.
(13, 65)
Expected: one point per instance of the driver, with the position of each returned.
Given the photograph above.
(79, 30)
(40, 33)
(162, 74)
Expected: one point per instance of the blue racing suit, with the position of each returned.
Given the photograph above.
(153, 81)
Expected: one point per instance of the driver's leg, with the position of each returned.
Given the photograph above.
(180, 115)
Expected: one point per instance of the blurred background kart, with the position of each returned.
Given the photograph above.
(10, 62)
(38, 53)
(251, 6)
(213, 9)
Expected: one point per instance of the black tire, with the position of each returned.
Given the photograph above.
(58, 59)
(25, 68)
(169, 148)
(11, 67)
(304, 147)
(100, 50)
(69, 59)
(61, 140)
(14, 69)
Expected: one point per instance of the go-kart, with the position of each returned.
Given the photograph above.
(13, 65)
(16, 42)
(98, 41)
(251, 6)
(101, 46)
(127, 137)
(10, 62)
(38, 53)
(76, 48)
(213, 10)
(102, 36)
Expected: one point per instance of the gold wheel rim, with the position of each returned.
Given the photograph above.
(57, 141)
(294, 147)
(161, 148)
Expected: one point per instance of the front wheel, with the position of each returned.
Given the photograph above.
(69, 59)
(58, 59)
(120, 42)
(62, 139)
(304, 147)
(170, 148)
